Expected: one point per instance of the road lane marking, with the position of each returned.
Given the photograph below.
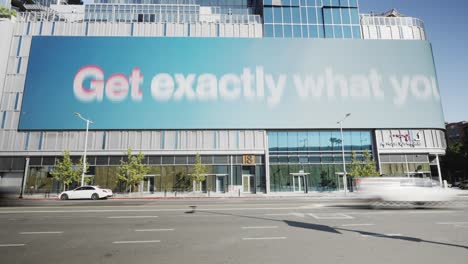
(331, 216)
(154, 230)
(263, 238)
(452, 223)
(132, 216)
(12, 245)
(258, 227)
(40, 232)
(136, 242)
(358, 225)
(278, 214)
(383, 235)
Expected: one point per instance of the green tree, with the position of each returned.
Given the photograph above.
(132, 171)
(199, 172)
(65, 172)
(364, 169)
(455, 162)
(5, 12)
(356, 166)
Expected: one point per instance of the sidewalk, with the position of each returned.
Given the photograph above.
(211, 195)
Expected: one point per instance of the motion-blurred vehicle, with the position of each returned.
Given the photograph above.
(404, 189)
(463, 185)
(86, 192)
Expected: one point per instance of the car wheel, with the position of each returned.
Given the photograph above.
(64, 197)
(95, 196)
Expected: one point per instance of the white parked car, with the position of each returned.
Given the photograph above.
(86, 192)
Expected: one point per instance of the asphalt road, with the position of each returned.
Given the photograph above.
(230, 231)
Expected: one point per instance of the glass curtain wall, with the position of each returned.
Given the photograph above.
(311, 19)
(167, 173)
(316, 153)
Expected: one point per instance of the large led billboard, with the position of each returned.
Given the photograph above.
(229, 83)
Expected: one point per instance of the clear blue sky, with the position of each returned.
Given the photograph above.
(446, 23)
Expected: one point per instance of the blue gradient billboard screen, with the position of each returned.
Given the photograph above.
(208, 83)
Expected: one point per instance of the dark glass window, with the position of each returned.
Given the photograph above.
(268, 14)
(269, 31)
(287, 31)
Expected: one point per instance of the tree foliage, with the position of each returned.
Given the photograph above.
(363, 169)
(455, 161)
(132, 171)
(199, 172)
(65, 172)
(5, 12)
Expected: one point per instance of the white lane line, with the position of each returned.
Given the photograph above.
(132, 216)
(278, 214)
(358, 225)
(258, 227)
(263, 238)
(331, 216)
(136, 242)
(37, 233)
(12, 245)
(154, 230)
(452, 223)
(385, 235)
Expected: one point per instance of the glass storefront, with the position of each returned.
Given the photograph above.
(316, 154)
(166, 174)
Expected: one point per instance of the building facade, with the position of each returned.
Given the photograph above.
(255, 88)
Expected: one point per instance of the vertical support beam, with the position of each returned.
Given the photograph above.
(438, 170)
(25, 178)
(267, 162)
(231, 188)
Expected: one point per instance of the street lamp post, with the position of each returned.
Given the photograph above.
(342, 150)
(86, 145)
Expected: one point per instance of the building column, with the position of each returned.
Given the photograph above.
(267, 163)
(25, 178)
(438, 170)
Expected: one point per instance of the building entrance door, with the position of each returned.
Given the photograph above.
(220, 184)
(248, 183)
(298, 183)
(148, 184)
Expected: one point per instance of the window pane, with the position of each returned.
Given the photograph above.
(335, 141)
(292, 141)
(268, 14)
(356, 32)
(269, 31)
(313, 32)
(287, 31)
(273, 141)
(338, 31)
(329, 31)
(304, 32)
(282, 141)
(354, 16)
(297, 31)
(295, 15)
(286, 16)
(312, 16)
(277, 15)
(325, 143)
(303, 141)
(327, 15)
(278, 31)
(336, 16)
(314, 141)
(347, 32)
(366, 140)
(303, 15)
(345, 16)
